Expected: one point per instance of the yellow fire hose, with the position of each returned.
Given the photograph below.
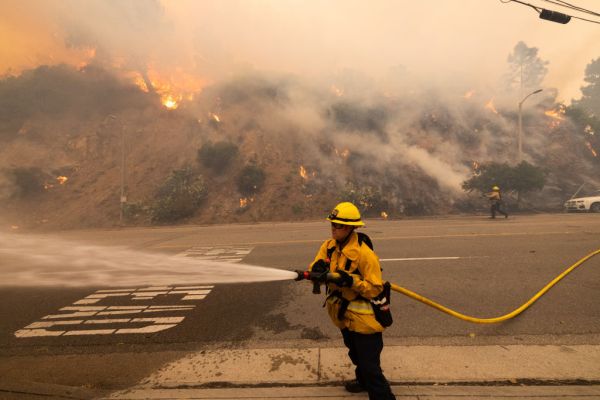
(510, 315)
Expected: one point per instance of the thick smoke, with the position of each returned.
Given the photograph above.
(439, 43)
(359, 98)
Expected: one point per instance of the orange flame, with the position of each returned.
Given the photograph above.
(343, 153)
(215, 117)
(588, 129)
(384, 215)
(243, 202)
(61, 179)
(556, 114)
(589, 145)
(303, 173)
(490, 106)
(170, 102)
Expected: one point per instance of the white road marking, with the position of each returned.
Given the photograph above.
(91, 315)
(145, 294)
(223, 253)
(419, 258)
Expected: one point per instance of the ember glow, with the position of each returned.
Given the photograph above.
(62, 179)
(342, 153)
(214, 117)
(337, 91)
(589, 145)
(303, 173)
(384, 215)
(490, 106)
(243, 202)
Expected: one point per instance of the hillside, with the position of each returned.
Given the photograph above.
(401, 151)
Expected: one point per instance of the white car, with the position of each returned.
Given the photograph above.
(590, 204)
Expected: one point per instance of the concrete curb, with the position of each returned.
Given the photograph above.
(401, 392)
(410, 364)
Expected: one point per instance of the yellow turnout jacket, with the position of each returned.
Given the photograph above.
(366, 273)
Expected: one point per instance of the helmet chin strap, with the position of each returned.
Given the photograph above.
(343, 242)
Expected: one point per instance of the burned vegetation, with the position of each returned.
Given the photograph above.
(88, 147)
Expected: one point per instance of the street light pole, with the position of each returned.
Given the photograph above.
(123, 197)
(520, 157)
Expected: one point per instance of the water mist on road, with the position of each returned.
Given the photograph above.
(47, 261)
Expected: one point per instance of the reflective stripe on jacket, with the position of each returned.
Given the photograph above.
(366, 274)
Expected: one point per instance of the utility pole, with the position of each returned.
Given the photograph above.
(123, 197)
(520, 155)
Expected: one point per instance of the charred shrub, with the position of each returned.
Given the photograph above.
(364, 120)
(134, 211)
(369, 199)
(27, 182)
(178, 197)
(61, 89)
(217, 156)
(251, 179)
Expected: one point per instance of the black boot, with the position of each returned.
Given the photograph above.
(354, 386)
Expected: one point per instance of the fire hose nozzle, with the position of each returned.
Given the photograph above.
(302, 275)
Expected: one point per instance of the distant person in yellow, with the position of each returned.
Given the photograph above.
(350, 254)
(495, 198)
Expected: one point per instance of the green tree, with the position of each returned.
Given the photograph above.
(590, 99)
(520, 179)
(527, 178)
(526, 69)
(489, 175)
(179, 196)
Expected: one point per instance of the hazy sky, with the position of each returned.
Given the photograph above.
(446, 40)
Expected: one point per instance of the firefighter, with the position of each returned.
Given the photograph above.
(348, 298)
(495, 198)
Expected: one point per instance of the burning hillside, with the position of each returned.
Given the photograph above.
(260, 148)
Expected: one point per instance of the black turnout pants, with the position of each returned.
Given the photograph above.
(496, 208)
(364, 351)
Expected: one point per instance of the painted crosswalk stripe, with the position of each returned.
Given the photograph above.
(83, 314)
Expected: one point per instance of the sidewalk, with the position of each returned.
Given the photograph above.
(416, 372)
(401, 392)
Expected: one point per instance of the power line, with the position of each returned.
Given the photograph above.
(540, 11)
(574, 7)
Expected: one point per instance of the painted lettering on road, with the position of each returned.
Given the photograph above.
(88, 316)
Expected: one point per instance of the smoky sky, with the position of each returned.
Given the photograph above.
(441, 41)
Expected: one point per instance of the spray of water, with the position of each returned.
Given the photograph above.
(47, 261)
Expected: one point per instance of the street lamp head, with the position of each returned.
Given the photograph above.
(554, 16)
(537, 91)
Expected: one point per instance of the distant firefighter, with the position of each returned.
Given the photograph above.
(496, 203)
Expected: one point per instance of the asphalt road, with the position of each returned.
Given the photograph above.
(477, 266)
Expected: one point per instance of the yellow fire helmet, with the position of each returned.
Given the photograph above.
(496, 189)
(346, 214)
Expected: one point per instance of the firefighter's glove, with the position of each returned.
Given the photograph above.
(343, 280)
(319, 270)
(320, 266)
